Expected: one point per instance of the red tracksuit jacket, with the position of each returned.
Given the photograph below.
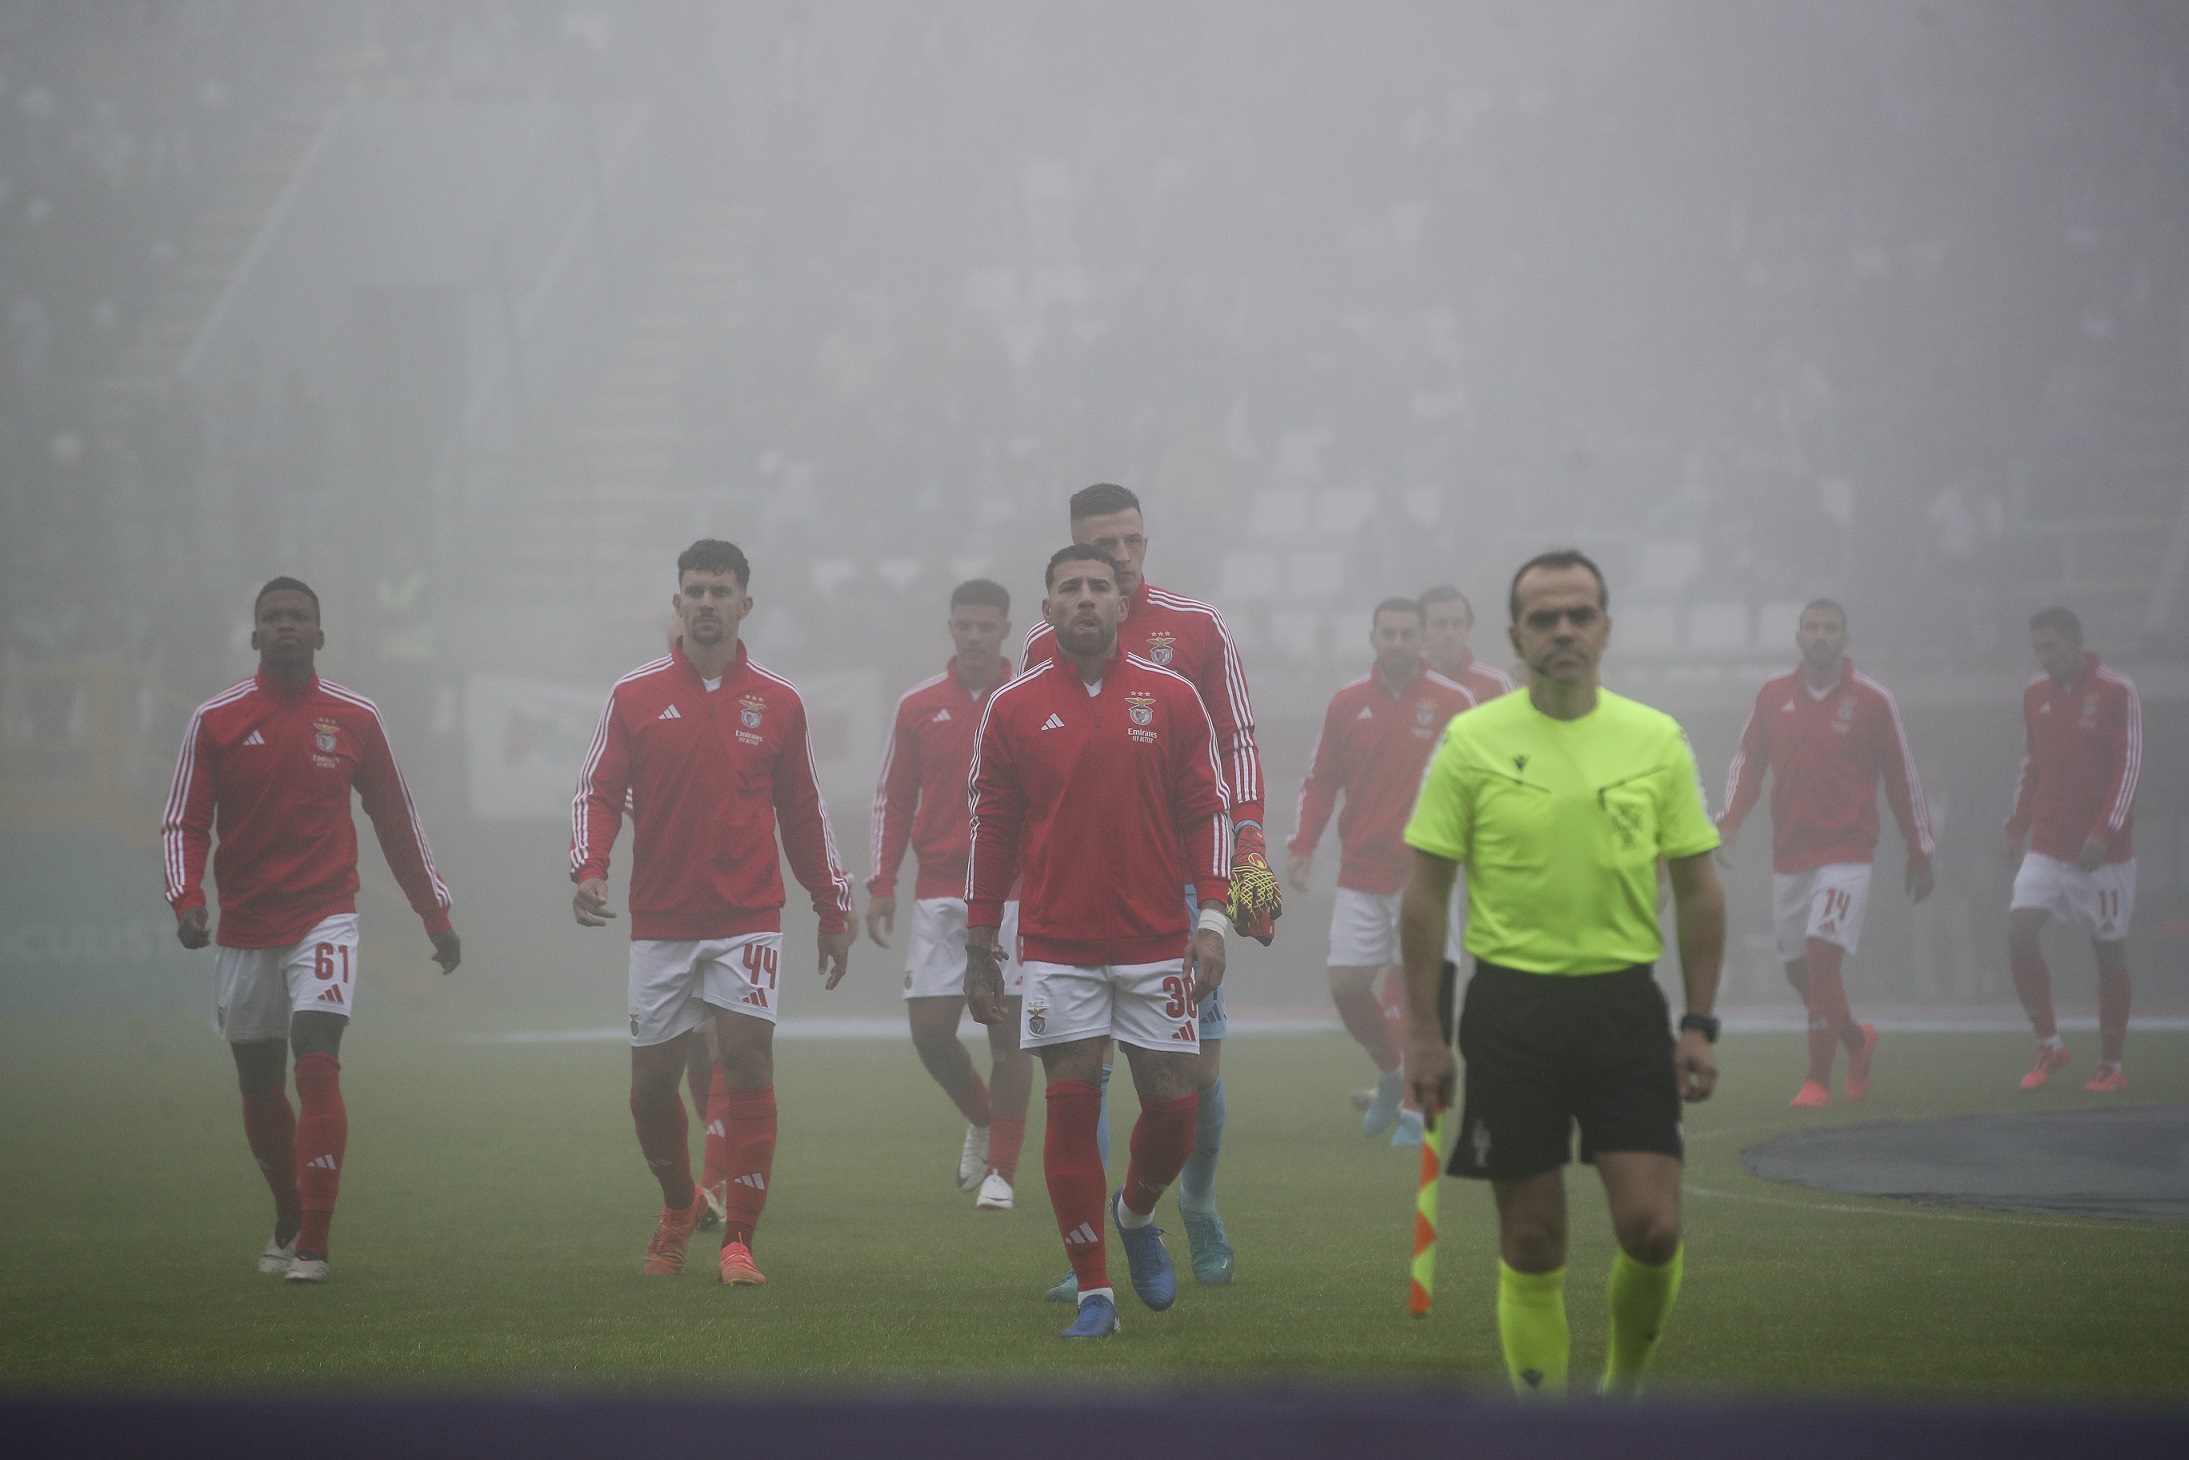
(920, 796)
(1099, 800)
(1372, 748)
(1188, 637)
(708, 774)
(1828, 755)
(269, 766)
(2082, 751)
(1484, 681)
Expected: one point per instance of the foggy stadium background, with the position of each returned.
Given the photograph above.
(473, 314)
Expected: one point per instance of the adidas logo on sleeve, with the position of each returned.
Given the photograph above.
(254, 738)
(669, 714)
(1052, 723)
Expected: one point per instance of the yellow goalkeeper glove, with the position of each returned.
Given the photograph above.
(1256, 904)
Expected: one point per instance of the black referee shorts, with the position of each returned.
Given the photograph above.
(1547, 1052)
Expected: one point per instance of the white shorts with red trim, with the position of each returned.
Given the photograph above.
(1364, 929)
(256, 990)
(2099, 905)
(1455, 922)
(1143, 1004)
(1824, 902)
(678, 984)
(935, 961)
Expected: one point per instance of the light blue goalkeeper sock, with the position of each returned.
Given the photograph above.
(1102, 1122)
(1197, 1183)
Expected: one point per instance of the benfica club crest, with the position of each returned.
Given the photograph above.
(323, 736)
(1140, 709)
(1847, 707)
(1162, 648)
(748, 711)
(1426, 712)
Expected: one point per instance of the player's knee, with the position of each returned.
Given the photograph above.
(1533, 1241)
(1351, 980)
(1650, 1237)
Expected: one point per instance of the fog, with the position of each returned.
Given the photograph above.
(473, 315)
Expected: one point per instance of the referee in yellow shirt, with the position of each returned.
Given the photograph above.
(1561, 802)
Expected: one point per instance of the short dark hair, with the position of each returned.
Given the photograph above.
(1079, 552)
(982, 591)
(1396, 605)
(285, 585)
(713, 555)
(1831, 603)
(1554, 559)
(1101, 499)
(2060, 620)
(1444, 593)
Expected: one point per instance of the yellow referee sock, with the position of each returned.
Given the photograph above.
(1640, 1299)
(1531, 1325)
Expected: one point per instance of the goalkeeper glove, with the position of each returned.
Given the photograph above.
(1256, 903)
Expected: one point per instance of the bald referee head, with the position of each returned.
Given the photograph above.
(1562, 804)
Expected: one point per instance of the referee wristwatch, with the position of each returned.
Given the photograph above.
(1704, 1023)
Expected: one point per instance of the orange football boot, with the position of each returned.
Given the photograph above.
(2109, 1080)
(2050, 1057)
(1811, 1096)
(672, 1235)
(738, 1270)
(1858, 1065)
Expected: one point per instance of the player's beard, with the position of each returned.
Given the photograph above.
(704, 632)
(1088, 640)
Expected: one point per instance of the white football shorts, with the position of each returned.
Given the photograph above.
(1824, 902)
(1364, 929)
(1455, 922)
(1144, 1004)
(256, 989)
(935, 961)
(2098, 904)
(677, 984)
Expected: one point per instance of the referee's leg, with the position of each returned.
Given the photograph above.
(1531, 1281)
(1643, 1188)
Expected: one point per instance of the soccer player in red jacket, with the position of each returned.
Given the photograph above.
(1190, 639)
(269, 764)
(1377, 735)
(920, 802)
(713, 754)
(1098, 779)
(2082, 729)
(1830, 735)
(1448, 622)
(1447, 629)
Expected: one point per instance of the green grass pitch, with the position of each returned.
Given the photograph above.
(495, 1207)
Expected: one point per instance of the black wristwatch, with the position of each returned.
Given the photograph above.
(1702, 1022)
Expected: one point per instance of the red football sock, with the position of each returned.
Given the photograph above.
(1828, 1012)
(971, 1099)
(750, 1160)
(2113, 994)
(2033, 984)
(1162, 1140)
(269, 1124)
(665, 1137)
(714, 1143)
(1005, 1136)
(1073, 1164)
(322, 1132)
(1362, 1014)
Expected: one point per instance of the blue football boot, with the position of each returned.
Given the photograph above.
(1097, 1319)
(1152, 1275)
